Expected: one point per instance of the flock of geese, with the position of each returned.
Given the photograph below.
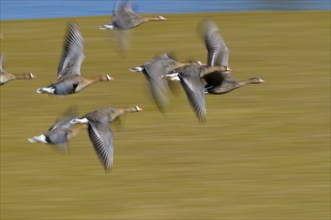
(196, 78)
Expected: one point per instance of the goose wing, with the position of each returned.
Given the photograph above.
(73, 52)
(218, 52)
(101, 136)
(191, 82)
(63, 122)
(154, 68)
(124, 17)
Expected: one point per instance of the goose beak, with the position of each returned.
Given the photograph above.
(261, 81)
(139, 109)
(32, 76)
(162, 18)
(109, 77)
(200, 63)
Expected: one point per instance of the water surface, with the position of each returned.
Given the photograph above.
(31, 9)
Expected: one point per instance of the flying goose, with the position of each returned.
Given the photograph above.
(100, 133)
(125, 18)
(59, 133)
(69, 79)
(190, 79)
(153, 69)
(220, 82)
(6, 77)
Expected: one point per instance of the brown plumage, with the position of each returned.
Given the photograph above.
(125, 18)
(5, 77)
(219, 82)
(153, 69)
(60, 132)
(190, 79)
(69, 79)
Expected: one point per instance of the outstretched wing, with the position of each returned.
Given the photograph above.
(218, 52)
(101, 136)
(73, 52)
(124, 17)
(154, 68)
(192, 84)
(63, 122)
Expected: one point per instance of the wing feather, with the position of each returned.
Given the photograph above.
(194, 90)
(124, 17)
(73, 52)
(101, 136)
(218, 52)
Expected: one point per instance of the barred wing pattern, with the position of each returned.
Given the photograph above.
(194, 89)
(218, 52)
(101, 136)
(73, 52)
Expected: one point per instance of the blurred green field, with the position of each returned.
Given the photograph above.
(264, 152)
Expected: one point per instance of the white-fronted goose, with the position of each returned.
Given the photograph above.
(69, 79)
(125, 18)
(190, 79)
(59, 133)
(153, 69)
(218, 55)
(6, 77)
(100, 133)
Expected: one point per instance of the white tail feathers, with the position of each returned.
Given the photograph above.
(46, 90)
(137, 69)
(40, 138)
(106, 27)
(79, 120)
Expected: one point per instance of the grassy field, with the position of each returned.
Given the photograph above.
(264, 152)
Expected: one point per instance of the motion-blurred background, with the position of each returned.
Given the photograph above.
(264, 152)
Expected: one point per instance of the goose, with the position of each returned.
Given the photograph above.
(125, 18)
(69, 79)
(6, 77)
(190, 78)
(100, 133)
(152, 70)
(220, 82)
(59, 133)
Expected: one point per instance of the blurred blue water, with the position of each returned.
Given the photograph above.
(31, 9)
